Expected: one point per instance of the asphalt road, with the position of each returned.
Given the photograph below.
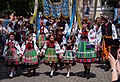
(97, 74)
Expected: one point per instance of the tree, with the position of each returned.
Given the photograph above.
(112, 3)
(20, 7)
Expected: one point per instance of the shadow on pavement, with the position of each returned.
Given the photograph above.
(80, 74)
(101, 66)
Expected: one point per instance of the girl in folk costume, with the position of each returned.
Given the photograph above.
(30, 53)
(51, 52)
(85, 53)
(12, 54)
(69, 54)
(42, 36)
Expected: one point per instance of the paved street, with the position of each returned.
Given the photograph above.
(97, 75)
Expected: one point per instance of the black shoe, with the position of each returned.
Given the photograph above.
(10, 77)
(85, 73)
(51, 75)
(103, 63)
(88, 74)
(34, 73)
(29, 75)
(107, 68)
(108, 65)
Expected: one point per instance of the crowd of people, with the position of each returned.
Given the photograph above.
(21, 44)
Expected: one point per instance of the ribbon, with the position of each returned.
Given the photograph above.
(35, 12)
(72, 19)
(78, 16)
(38, 26)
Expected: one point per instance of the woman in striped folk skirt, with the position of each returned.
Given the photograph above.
(30, 54)
(86, 53)
(51, 51)
(69, 54)
(12, 55)
(42, 37)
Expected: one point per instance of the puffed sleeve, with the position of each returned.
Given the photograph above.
(46, 32)
(62, 51)
(63, 40)
(23, 47)
(36, 48)
(99, 35)
(66, 28)
(44, 48)
(18, 48)
(57, 48)
(79, 36)
(114, 33)
(92, 36)
(34, 37)
(74, 49)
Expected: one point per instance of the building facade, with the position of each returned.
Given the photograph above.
(86, 8)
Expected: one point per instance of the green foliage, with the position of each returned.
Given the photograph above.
(112, 3)
(20, 7)
(40, 5)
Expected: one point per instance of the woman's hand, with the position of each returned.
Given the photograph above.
(61, 55)
(118, 63)
(113, 62)
(41, 54)
(118, 53)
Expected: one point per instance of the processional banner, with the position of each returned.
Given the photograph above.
(56, 9)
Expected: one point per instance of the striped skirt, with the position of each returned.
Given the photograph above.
(41, 40)
(86, 53)
(69, 57)
(30, 58)
(12, 58)
(50, 56)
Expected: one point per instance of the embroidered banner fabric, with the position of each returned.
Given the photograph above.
(56, 10)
